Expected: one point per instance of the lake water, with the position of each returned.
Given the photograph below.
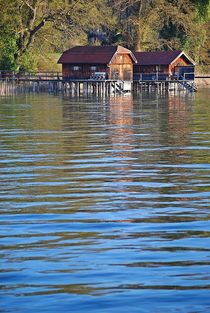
(105, 204)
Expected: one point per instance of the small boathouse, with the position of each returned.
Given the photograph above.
(105, 70)
(164, 70)
(114, 63)
(163, 65)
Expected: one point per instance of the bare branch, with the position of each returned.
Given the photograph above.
(30, 6)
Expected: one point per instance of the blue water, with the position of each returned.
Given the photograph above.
(105, 203)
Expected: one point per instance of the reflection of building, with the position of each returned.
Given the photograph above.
(121, 117)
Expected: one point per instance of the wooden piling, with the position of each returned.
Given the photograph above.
(54, 84)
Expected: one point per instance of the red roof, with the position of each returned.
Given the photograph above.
(93, 54)
(159, 57)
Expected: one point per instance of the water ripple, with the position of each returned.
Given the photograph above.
(104, 204)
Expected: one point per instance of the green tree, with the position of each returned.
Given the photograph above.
(31, 21)
(165, 24)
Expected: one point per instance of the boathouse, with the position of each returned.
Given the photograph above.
(99, 62)
(163, 65)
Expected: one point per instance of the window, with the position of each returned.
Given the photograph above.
(127, 75)
(76, 68)
(114, 74)
(93, 68)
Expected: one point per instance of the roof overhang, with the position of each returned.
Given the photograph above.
(130, 53)
(186, 56)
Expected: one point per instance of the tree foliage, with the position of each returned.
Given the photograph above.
(31, 21)
(32, 28)
(165, 24)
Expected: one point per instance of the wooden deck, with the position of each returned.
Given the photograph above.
(53, 82)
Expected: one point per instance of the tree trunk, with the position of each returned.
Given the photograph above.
(25, 40)
(137, 41)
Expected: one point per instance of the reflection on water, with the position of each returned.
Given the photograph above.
(121, 119)
(104, 203)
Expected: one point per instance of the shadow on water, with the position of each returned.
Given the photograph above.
(105, 203)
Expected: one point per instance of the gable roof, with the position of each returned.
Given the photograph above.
(93, 54)
(160, 57)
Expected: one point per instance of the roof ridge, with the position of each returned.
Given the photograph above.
(160, 57)
(93, 54)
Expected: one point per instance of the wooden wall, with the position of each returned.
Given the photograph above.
(121, 67)
(161, 69)
(181, 61)
(82, 71)
(147, 69)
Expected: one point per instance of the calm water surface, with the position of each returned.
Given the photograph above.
(105, 204)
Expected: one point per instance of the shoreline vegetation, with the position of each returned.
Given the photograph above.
(34, 33)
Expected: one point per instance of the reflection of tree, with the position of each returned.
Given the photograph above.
(201, 127)
(175, 129)
(34, 151)
(179, 156)
(178, 118)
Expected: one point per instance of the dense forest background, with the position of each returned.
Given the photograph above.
(33, 33)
